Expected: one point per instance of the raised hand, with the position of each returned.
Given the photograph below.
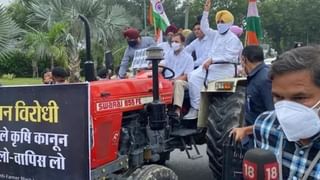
(207, 6)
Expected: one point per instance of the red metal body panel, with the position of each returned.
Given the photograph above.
(109, 99)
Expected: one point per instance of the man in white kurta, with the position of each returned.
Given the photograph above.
(182, 64)
(225, 47)
(201, 45)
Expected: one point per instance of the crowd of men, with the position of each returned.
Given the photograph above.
(282, 101)
(191, 60)
(58, 75)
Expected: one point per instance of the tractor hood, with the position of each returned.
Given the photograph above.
(127, 94)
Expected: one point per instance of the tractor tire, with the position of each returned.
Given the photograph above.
(153, 172)
(226, 111)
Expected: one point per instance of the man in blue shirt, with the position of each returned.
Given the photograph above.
(258, 92)
(292, 130)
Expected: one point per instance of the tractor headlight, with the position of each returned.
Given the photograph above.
(224, 85)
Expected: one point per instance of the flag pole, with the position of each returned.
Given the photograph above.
(155, 28)
(153, 19)
(245, 38)
(145, 16)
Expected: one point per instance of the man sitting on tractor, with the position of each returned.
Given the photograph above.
(201, 45)
(135, 42)
(225, 47)
(182, 64)
(170, 31)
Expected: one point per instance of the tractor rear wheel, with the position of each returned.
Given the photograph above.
(154, 172)
(226, 111)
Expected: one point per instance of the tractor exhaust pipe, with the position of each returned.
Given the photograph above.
(156, 109)
(155, 55)
(88, 64)
(108, 59)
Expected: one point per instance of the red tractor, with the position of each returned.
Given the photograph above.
(131, 130)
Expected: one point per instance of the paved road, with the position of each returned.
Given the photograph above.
(188, 169)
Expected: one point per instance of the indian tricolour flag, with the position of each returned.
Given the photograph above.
(253, 24)
(158, 18)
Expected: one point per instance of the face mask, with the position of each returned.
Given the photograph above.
(132, 43)
(222, 28)
(296, 120)
(176, 46)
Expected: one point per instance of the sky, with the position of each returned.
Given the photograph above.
(5, 2)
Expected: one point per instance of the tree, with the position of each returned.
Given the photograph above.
(46, 45)
(106, 24)
(19, 12)
(285, 22)
(134, 8)
(9, 31)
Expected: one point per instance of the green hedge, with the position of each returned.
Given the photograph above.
(20, 65)
(17, 64)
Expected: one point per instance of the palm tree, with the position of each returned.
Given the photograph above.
(9, 31)
(46, 45)
(106, 24)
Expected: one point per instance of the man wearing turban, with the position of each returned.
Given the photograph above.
(135, 42)
(225, 47)
(170, 31)
(236, 30)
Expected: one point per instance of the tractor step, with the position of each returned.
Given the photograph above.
(187, 134)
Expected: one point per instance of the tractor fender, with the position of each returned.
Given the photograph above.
(214, 89)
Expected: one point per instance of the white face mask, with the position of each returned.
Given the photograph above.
(222, 28)
(176, 46)
(296, 120)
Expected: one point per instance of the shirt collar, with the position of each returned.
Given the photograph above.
(257, 69)
(313, 140)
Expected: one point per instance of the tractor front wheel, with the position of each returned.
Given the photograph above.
(153, 172)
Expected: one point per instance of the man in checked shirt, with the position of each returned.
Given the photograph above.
(292, 130)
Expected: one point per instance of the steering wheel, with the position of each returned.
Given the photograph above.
(164, 70)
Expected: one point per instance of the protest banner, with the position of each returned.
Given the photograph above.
(44, 132)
